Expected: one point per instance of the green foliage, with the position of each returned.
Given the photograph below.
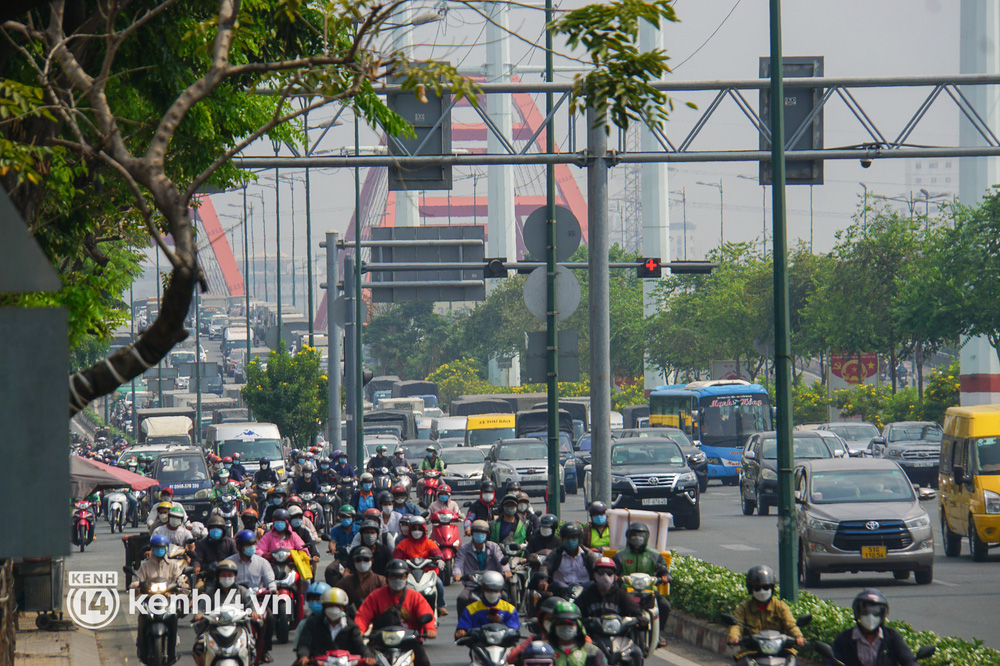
(706, 590)
(410, 339)
(632, 393)
(457, 378)
(943, 391)
(810, 403)
(880, 406)
(290, 393)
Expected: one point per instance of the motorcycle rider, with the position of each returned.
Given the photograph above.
(525, 513)
(543, 618)
(265, 474)
(307, 483)
(236, 474)
(479, 554)
(637, 557)
(444, 502)
(298, 459)
(156, 567)
(250, 519)
(389, 516)
(295, 520)
(364, 496)
(569, 640)
(324, 475)
(174, 530)
(275, 500)
(399, 459)
(395, 605)
(569, 565)
(432, 461)
(223, 586)
(295, 502)
(372, 537)
(400, 495)
(762, 610)
(162, 513)
(279, 536)
(545, 538)
(380, 460)
(490, 608)
(417, 545)
(484, 508)
(604, 596)
(254, 572)
(509, 528)
(344, 531)
(213, 548)
(362, 581)
(596, 533)
(238, 468)
(331, 630)
(224, 486)
(871, 641)
(314, 606)
(340, 465)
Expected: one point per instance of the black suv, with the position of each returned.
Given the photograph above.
(915, 446)
(696, 458)
(759, 466)
(651, 473)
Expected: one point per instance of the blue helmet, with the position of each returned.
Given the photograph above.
(539, 650)
(158, 540)
(246, 536)
(317, 589)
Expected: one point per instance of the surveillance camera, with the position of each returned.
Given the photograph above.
(865, 163)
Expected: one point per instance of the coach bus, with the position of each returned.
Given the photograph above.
(719, 414)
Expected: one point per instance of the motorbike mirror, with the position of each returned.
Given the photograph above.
(504, 560)
(533, 625)
(804, 620)
(325, 537)
(825, 651)
(538, 512)
(926, 651)
(187, 571)
(727, 619)
(467, 504)
(425, 618)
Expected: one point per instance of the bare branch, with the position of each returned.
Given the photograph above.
(118, 38)
(27, 31)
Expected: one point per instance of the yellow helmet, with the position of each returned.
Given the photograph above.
(166, 506)
(334, 597)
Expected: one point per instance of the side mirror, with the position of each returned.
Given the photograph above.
(727, 619)
(958, 474)
(926, 651)
(467, 504)
(504, 560)
(425, 618)
(824, 650)
(878, 441)
(325, 537)
(804, 620)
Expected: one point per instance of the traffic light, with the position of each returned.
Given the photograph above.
(366, 376)
(650, 267)
(495, 268)
(691, 267)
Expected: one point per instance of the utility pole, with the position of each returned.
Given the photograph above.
(131, 328)
(598, 298)
(246, 279)
(309, 264)
(333, 339)
(551, 332)
(197, 361)
(355, 442)
(357, 377)
(159, 366)
(277, 236)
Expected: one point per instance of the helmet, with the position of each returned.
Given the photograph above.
(246, 536)
(337, 453)
(444, 490)
(570, 531)
(280, 514)
(294, 511)
(314, 449)
(227, 459)
(549, 605)
(418, 521)
(640, 529)
(492, 581)
(224, 476)
(870, 597)
(362, 552)
(399, 452)
(760, 575)
(215, 521)
(367, 478)
(334, 597)
(523, 497)
(399, 489)
(308, 468)
(396, 568)
(250, 512)
(431, 449)
(226, 565)
(176, 510)
(548, 520)
(237, 457)
(384, 497)
(310, 456)
(294, 500)
(606, 563)
(487, 486)
(538, 651)
(164, 506)
(565, 610)
(317, 589)
(480, 526)
(294, 454)
(264, 462)
(346, 510)
(381, 448)
(509, 498)
(405, 521)
(512, 486)
(158, 540)
(369, 525)
(598, 508)
(372, 513)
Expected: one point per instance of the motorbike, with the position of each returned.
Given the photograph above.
(768, 647)
(490, 644)
(228, 506)
(423, 579)
(445, 533)
(826, 651)
(314, 511)
(393, 646)
(612, 633)
(262, 490)
(517, 584)
(532, 597)
(228, 639)
(327, 500)
(157, 643)
(117, 507)
(642, 588)
(289, 614)
(403, 477)
(336, 658)
(141, 510)
(428, 487)
(383, 479)
(345, 491)
(83, 524)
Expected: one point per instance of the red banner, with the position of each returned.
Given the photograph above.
(854, 368)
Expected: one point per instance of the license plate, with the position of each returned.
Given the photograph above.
(534, 477)
(730, 463)
(873, 552)
(464, 483)
(654, 501)
(924, 463)
(189, 507)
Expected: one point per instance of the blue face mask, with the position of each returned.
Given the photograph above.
(275, 501)
(599, 520)
(229, 466)
(249, 551)
(430, 455)
(215, 533)
(366, 486)
(444, 498)
(571, 544)
(302, 461)
(324, 467)
(478, 537)
(343, 461)
(280, 525)
(159, 551)
(345, 522)
(296, 522)
(315, 607)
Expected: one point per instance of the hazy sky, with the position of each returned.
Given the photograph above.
(716, 39)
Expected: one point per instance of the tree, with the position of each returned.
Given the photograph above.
(290, 392)
(410, 339)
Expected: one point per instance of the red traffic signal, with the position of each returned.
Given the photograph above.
(650, 267)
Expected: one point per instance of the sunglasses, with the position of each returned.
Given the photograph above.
(362, 559)
(763, 587)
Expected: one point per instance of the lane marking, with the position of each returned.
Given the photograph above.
(944, 582)
(742, 547)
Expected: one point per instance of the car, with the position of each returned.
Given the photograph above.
(183, 469)
(373, 442)
(524, 460)
(758, 479)
(414, 450)
(860, 515)
(451, 442)
(915, 445)
(696, 458)
(838, 446)
(857, 434)
(448, 427)
(567, 459)
(463, 469)
(652, 474)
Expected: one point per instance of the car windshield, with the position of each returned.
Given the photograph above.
(182, 357)
(173, 469)
(835, 443)
(414, 451)
(585, 443)
(806, 448)
(452, 433)
(988, 455)
(522, 451)
(462, 456)
(855, 433)
(251, 449)
(395, 431)
(858, 486)
(659, 453)
(915, 433)
(488, 435)
(565, 443)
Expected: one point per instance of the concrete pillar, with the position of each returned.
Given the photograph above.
(407, 203)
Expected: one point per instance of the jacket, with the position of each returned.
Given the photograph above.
(409, 549)
(775, 615)
(437, 505)
(265, 476)
(273, 540)
(206, 551)
(480, 511)
(303, 486)
(363, 500)
(554, 559)
(345, 471)
(595, 537)
(537, 542)
(413, 606)
(593, 603)
(437, 465)
(358, 588)
(315, 639)
(517, 535)
(893, 652)
(466, 561)
(647, 561)
(478, 613)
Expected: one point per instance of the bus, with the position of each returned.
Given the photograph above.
(719, 415)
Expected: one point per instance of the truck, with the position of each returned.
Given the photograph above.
(142, 414)
(166, 430)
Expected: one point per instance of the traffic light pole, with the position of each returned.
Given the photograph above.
(354, 453)
(551, 330)
(333, 340)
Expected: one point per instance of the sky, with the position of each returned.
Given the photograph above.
(715, 39)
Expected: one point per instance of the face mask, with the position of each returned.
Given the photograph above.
(491, 598)
(566, 632)
(509, 510)
(430, 455)
(397, 584)
(399, 501)
(324, 467)
(296, 522)
(363, 566)
(229, 466)
(218, 467)
(404, 530)
(315, 607)
(604, 581)
(215, 533)
(249, 551)
(163, 517)
(160, 552)
(571, 544)
(763, 596)
(636, 542)
(487, 497)
(546, 627)
(368, 539)
(387, 509)
(416, 535)
(444, 498)
(343, 461)
(521, 508)
(308, 475)
(334, 613)
(227, 582)
(545, 531)
(275, 501)
(175, 521)
(280, 525)
(870, 622)
(345, 522)
(366, 486)
(302, 461)
(478, 537)
(599, 520)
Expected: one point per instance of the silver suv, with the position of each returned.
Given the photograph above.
(860, 514)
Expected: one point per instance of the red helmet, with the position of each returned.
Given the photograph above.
(227, 459)
(251, 512)
(212, 458)
(294, 499)
(606, 563)
(373, 514)
(167, 491)
(399, 489)
(315, 450)
(237, 456)
(444, 489)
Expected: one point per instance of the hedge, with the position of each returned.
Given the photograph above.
(97, 421)
(705, 590)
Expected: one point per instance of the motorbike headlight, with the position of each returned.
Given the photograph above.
(280, 555)
(157, 588)
(393, 638)
(687, 477)
(922, 521)
(768, 475)
(992, 501)
(226, 630)
(611, 626)
(493, 636)
(771, 645)
(824, 525)
(202, 494)
(307, 496)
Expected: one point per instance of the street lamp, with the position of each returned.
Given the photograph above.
(722, 204)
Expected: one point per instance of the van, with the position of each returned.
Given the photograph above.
(969, 479)
(251, 440)
(488, 428)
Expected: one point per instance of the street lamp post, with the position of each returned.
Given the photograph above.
(722, 206)
(277, 235)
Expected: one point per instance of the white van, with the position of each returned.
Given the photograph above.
(251, 440)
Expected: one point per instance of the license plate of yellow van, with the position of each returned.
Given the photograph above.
(873, 552)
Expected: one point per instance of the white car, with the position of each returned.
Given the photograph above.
(463, 468)
(522, 460)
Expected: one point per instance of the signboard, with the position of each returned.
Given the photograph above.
(799, 106)
(728, 370)
(853, 369)
(432, 244)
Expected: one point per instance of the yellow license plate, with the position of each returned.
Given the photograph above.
(873, 552)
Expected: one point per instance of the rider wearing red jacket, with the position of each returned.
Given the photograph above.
(418, 546)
